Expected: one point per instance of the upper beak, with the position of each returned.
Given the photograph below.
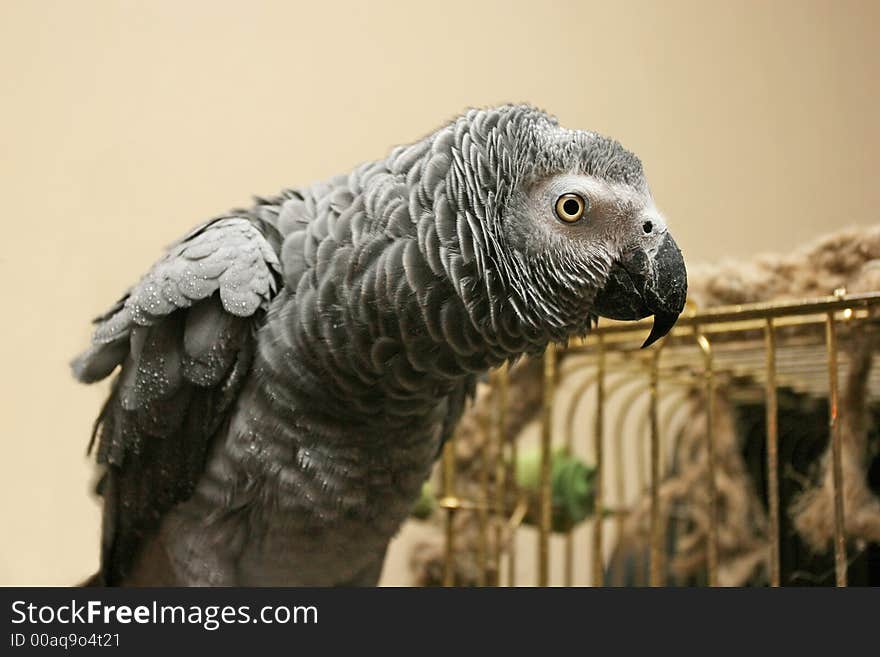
(642, 283)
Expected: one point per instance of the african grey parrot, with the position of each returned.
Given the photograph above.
(289, 372)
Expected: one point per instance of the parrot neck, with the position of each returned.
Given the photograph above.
(388, 307)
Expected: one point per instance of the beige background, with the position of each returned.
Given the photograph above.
(123, 123)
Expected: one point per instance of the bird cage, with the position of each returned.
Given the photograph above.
(632, 400)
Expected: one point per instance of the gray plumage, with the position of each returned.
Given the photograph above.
(290, 371)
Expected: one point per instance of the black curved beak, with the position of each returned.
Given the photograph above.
(643, 283)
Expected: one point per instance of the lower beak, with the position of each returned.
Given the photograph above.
(642, 284)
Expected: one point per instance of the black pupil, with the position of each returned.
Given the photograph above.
(571, 207)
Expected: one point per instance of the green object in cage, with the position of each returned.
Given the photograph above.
(426, 503)
(571, 482)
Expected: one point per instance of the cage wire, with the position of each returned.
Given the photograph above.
(753, 351)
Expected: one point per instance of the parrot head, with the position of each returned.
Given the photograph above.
(570, 225)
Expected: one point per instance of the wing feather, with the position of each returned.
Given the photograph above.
(183, 339)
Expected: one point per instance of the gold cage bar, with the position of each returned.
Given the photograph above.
(599, 463)
(836, 461)
(772, 453)
(656, 549)
(546, 493)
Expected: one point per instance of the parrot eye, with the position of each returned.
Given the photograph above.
(570, 207)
